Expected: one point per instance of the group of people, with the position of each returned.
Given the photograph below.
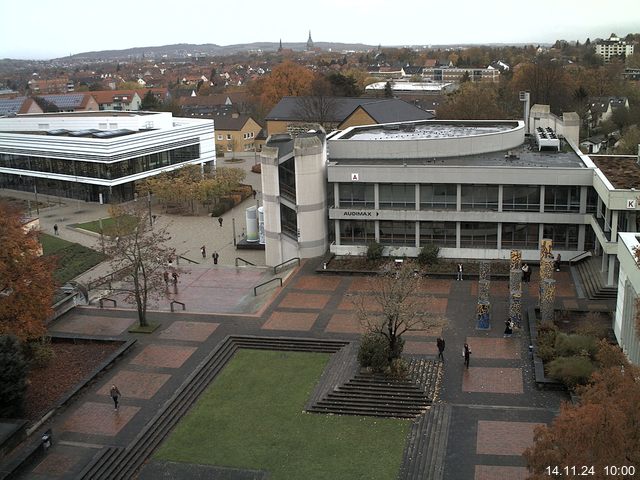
(466, 351)
(214, 255)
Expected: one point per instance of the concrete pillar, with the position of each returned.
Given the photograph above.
(458, 233)
(581, 236)
(542, 193)
(605, 260)
(611, 274)
(583, 199)
(376, 196)
(499, 237)
(336, 195)
(336, 229)
(458, 197)
(500, 197)
(417, 196)
(417, 225)
(614, 225)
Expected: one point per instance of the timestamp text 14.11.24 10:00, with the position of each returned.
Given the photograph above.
(623, 471)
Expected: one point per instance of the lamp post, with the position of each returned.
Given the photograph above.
(149, 204)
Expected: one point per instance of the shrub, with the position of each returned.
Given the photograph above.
(428, 255)
(399, 368)
(374, 251)
(593, 325)
(40, 352)
(13, 377)
(545, 347)
(374, 352)
(567, 345)
(571, 370)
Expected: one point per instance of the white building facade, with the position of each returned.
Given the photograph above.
(97, 156)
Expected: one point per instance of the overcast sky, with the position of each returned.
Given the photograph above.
(44, 29)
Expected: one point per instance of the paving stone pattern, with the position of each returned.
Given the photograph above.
(483, 418)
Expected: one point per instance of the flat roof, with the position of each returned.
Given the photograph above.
(98, 113)
(622, 171)
(525, 155)
(417, 131)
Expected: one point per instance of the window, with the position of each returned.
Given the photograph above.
(564, 237)
(229, 136)
(398, 196)
(439, 197)
(357, 232)
(479, 197)
(229, 148)
(220, 136)
(358, 195)
(251, 134)
(520, 235)
(562, 198)
(398, 233)
(592, 200)
(441, 234)
(287, 179)
(288, 221)
(520, 198)
(478, 235)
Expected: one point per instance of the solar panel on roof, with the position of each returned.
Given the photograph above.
(58, 131)
(113, 133)
(65, 101)
(83, 133)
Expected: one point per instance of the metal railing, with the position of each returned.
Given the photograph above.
(185, 258)
(246, 262)
(107, 299)
(179, 303)
(107, 279)
(580, 256)
(294, 259)
(255, 289)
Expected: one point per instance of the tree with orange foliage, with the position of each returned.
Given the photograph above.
(26, 284)
(286, 79)
(603, 430)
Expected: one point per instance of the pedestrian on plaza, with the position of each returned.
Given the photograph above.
(254, 194)
(215, 257)
(220, 221)
(556, 263)
(165, 275)
(203, 251)
(174, 275)
(55, 229)
(114, 393)
(440, 344)
(508, 328)
(526, 272)
(459, 269)
(466, 353)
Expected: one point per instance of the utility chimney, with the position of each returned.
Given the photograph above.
(525, 97)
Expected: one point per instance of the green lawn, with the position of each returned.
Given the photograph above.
(107, 225)
(252, 417)
(72, 258)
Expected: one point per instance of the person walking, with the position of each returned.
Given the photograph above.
(215, 257)
(174, 275)
(459, 269)
(165, 276)
(556, 263)
(220, 221)
(466, 353)
(508, 328)
(254, 194)
(203, 251)
(55, 229)
(525, 273)
(115, 396)
(440, 344)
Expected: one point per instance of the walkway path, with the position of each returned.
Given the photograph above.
(495, 405)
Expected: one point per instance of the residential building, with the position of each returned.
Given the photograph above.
(58, 85)
(601, 108)
(121, 100)
(338, 112)
(13, 106)
(236, 133)
(456, 75)
(613, 47)
(98, 156)
(73, 102)
(410, 89)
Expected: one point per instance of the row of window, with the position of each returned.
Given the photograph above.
(245, 136)
(107, 171)
(472, 234)
(473, 197)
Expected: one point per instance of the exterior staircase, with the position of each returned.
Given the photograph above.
(593, 281)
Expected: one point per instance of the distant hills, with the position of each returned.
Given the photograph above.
(182, 50)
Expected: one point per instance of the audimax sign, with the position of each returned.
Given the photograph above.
(360, 213)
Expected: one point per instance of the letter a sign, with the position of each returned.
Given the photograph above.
(354, 177)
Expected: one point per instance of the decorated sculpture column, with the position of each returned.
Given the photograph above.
(483, 308)
(515, 288)
(547, 300)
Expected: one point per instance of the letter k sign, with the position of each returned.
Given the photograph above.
(631, 203)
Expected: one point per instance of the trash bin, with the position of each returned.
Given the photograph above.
(46, 439)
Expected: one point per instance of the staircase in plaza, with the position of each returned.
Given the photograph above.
(593, 281)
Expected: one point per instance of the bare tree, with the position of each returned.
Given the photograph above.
(138, 251)
(319, 109)
(392, 307)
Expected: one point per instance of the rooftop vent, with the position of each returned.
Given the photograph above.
(547, 138)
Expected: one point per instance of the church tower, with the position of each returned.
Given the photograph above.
(280, 47)
(309, 42)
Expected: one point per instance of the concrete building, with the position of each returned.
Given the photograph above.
(613, 47)
(627, 306)
(294, 197)
(98, 156)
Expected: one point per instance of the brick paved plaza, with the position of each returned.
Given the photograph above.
(495, 404)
